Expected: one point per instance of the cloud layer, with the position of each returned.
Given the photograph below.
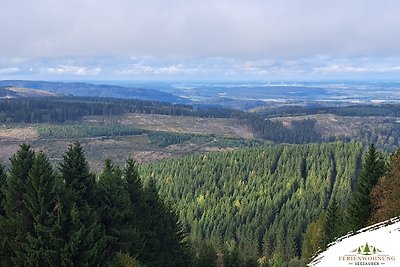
(188, 37)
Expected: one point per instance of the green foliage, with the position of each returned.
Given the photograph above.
(17, 221)
(85, 240)
(3, 178)
(68, 109)
(114, 210)
(206, 255)
(44, 242)
(254, 195)
(164, 139)
(124, 260)
(360, 207)
(165, 242)
(314, 239)
(334, 226)
(72, 220)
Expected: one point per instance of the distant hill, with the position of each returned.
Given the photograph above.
(16, 92)
(95, 90)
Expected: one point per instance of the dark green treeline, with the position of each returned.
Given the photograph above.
(257, 201)
(68, 217)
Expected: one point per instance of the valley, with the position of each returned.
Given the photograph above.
(248, 184)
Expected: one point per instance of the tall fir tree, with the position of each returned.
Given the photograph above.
(115, 209)
(334, 222)
(134, 188)
(360, 207)
(16, 222)
(3, 177)
(44, 242)
(82, 230)
(165, 241)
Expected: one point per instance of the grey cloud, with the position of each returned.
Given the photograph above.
(241, 29)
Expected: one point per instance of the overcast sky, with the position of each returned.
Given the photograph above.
(199, 39)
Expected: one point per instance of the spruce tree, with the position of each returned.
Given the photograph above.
(137, 222)
(334, 222)
(17, 221)
(115, 208)
(82, 230)
(3, 178)
(134, 187)
(165, 241)
(44, 242)
(206, 256)
(360, 207)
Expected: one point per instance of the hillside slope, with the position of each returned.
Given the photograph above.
(262, 199)
(16, 92)
(96, 90)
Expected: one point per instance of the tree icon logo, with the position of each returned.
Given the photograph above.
(367, 250)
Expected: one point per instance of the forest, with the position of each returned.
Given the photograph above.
(68, 216)
(274, 205)
(73, 109)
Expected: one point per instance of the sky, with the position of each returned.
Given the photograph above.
(199, 39)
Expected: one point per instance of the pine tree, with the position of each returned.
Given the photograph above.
(44, 242)
(360, 207)
(17, 221)
(82, 230)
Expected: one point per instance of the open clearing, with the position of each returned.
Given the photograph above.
(18, 133)
(333, 125)
(180, 124)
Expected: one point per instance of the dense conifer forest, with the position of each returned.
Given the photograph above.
(274, 205)
(259, 200)
(66, 216)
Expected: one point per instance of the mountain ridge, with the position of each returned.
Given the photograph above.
(96, 90)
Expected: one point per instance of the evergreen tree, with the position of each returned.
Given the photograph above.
(314, 239)
(44, 241)
(166, 244)
(3, 178)
(137, 222)
(17, 221)
(206, 256)
(367, 250)
(134, 187)
(83, 233)
(334, 222)
(386, 193)
(360, 207)
(115, 209)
